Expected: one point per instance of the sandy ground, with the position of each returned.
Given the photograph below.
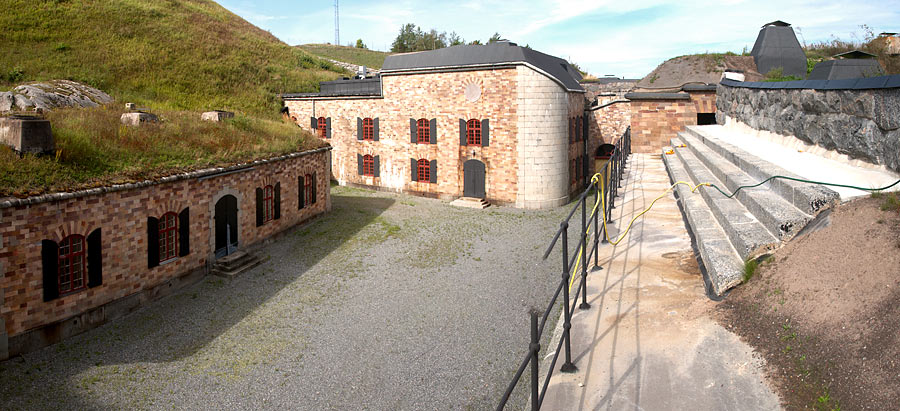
(648, 342)
(825, 312)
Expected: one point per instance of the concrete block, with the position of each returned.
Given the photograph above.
(27, 134)
(136, 119)
(216, 115)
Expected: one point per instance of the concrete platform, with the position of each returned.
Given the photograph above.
(648, 341)
(811, 162)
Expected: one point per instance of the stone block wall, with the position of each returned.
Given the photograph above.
(121, 214)
(862, 124)
(609, 123)
(655, 122)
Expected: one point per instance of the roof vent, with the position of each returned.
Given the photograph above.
(777, 23)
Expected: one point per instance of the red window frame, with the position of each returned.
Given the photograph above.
(368, 129)
(307, 190)
(368, 165)
(168, 236)
(268, 203)
(72, 261)
(322, 127)
(423, 131)
(423, 168)
(473, 132)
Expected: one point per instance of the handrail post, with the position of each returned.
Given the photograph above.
(598, 229)
(535, 349)
(567, 316)
(584, 247)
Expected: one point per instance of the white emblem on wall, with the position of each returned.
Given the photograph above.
(473, 91)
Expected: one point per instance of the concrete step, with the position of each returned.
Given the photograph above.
(724, 265)
(780, 216)
(234, 264)
(748, 236)
(809, 198)
(470, 202)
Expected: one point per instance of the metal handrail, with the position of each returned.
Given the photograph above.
(613, 171)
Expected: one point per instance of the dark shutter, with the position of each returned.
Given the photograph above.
(359, 128)
(50, 257)
(95, 259)
(462, 132)
(375, 132)
(152, 242)
(412, 131)
(184, 232)
(377, 164)
(313, 123)
(277, 200)
(359, 165)
(432, 130)
(485, 132)
(328, 127)
(433, 171)
(313, 185)
(259, 207)
(414, 166)
(301, 184)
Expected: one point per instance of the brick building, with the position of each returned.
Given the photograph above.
(73, 261)
(496, 121)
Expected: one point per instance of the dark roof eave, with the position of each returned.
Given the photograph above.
(658, 96)
(699, 87)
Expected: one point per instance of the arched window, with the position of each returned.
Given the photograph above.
(423, 131)
(268, 203)
(473, 132)
(423, 168)
(368, 129)
(71, 264)
(368, 165)
(322, 128)
(168, 236)
(307, 190)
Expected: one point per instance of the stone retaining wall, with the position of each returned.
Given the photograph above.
(861, 123)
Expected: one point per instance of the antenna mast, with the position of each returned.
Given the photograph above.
(337, 25)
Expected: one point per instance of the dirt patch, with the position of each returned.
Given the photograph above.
(823, 311)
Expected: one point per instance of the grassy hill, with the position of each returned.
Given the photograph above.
(169, 54)
(353, 55)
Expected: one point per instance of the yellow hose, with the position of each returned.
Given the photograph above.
(601, 200)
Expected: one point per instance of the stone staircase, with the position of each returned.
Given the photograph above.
(730, 231)
(234, 264)
(469, 202)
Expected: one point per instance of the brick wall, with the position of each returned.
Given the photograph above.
(655, 122)
(122, 218)
(527, 113)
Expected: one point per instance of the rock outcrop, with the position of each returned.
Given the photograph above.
(50, 95)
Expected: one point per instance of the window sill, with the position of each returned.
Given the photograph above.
(169, 261)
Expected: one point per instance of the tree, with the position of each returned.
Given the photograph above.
(455, 39)
(360, 44)
(495, 38)
(406, 40)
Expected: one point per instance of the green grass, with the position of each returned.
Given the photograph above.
(95, 149)
(360, 57)
(162, 54)
(891, 202)
(750, 267)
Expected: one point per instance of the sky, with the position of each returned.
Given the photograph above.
(625, 38)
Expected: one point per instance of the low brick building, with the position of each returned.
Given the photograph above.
(656, 118)
(76, 260)
(496, 121)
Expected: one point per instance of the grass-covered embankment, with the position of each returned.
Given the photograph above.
(94, 149)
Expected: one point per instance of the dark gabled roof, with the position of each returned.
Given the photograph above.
(499, 53)
(777, 23)
(855, 54)
(846, 69)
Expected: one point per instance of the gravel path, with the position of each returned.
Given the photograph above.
(389, 302)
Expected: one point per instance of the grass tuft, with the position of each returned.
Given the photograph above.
(891, 202)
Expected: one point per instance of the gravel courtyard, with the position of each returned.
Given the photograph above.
(388, 302)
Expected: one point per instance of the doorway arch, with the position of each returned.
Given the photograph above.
(473, 179)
